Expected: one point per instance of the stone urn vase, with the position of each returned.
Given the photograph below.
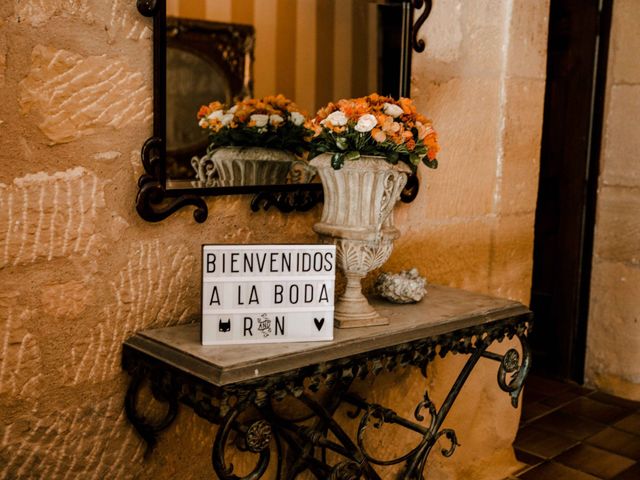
(358, 218)
(238, 166)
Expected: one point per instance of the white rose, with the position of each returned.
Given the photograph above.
(260, 119)
(297, 118)
(275, 119)
(233, 109)
(423, 130)
(392, 109)
(366, 123)
(216, 115)
(226, 119)
(336, 118)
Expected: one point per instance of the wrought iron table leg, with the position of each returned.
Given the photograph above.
(415, 460)
(510, 364)
(257, 438)
(147, 429)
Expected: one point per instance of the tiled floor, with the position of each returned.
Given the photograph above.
(573, 433)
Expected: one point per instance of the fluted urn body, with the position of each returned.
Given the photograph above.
(358, 218)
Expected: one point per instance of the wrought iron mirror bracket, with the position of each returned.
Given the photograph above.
(418, 44)
(252, 418)
(155, 202)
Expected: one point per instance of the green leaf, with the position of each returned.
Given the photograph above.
(341, 143)
(352, 155)
(337, 160)
(430, 163)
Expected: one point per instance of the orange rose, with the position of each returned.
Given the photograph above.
(378, 135)
(204, 111)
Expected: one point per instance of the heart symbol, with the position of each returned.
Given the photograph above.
(319, 323)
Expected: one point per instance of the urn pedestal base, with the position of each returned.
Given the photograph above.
(354, 313)
(356, 258)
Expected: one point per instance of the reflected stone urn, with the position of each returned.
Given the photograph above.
(238, 166)
(358, 218)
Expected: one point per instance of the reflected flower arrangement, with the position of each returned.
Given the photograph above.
(270, 122)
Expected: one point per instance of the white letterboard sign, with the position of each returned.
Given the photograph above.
(267, 293)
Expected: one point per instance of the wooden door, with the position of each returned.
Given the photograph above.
(565, 215)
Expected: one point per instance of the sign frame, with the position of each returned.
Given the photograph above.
(327, 277)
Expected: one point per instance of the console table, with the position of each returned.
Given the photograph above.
(237, 387)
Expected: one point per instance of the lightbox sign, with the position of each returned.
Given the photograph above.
(267, 293)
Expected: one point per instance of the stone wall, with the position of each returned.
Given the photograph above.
(80, 271)
(613, 345)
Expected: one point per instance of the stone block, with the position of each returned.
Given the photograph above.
(527, 49)
(483, 39)
(518, 185)
(132, 303)
(619, 165)
(625, 42)
(20, 363)
(613, 357)
(38, 12)
(447, 253)
(73, 96)
(3, 56)
(463, 39)
(465, 113)
(512, 257)
(84, 439)
(124, 21)
(47, 216)
(617, 235)
(65, 301)
(442, 33)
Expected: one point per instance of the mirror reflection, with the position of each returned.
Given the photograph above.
(310, 51)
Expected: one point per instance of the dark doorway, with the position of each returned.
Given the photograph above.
(569, 157)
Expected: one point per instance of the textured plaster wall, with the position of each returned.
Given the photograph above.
(613, 348)
(80, 271)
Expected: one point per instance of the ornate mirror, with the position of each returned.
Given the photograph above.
(312, 51)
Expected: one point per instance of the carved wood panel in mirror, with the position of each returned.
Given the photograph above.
(312, 51)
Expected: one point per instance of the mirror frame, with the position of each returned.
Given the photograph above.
(154, 202)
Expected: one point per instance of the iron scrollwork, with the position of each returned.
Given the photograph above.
(418, 44)
(250, 417)
(297, 200)
(152, 203)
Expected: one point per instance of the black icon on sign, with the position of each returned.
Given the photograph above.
(224, 326)
(319, 323)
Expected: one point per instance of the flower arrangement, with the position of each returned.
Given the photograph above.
(374, 125)
(270, 122)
